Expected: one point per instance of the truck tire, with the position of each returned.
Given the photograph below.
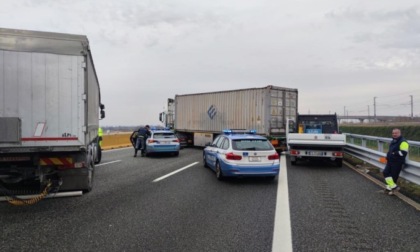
(339, 162)
(89, 178)
(98, 154)
(293, 162)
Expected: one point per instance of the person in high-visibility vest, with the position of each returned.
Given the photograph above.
(100, 133)
(398, 150)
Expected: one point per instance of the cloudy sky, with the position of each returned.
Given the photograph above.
(338, 54)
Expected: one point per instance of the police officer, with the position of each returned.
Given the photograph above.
(142, 134)
(398, 150)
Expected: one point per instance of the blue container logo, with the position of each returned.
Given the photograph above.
(212, 111)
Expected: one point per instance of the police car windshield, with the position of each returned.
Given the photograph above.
(251, 144)
(161, 135)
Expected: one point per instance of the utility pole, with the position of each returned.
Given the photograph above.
(344, 114)
(368, 114)
(374, 109)
(411, 107)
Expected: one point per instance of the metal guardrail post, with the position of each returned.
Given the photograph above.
(380, 146)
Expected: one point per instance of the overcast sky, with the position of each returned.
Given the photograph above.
(338, 54)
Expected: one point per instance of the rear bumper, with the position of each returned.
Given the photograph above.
(162, 148)
(247, 170)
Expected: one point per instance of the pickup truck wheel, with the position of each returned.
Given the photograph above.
(219, 174)
(339, 162)
(294, 162)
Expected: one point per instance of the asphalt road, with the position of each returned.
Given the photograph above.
(331, 209)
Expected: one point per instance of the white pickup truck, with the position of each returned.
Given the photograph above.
(315, 137)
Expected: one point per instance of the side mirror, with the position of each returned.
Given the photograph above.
(102, 114)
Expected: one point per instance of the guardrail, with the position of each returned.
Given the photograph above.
(115, 141)
(373, 150)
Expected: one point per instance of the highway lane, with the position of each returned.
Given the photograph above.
(127, 211)
(331, 209)
(336, 209)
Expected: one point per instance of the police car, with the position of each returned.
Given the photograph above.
(241, 153)
(162, 141)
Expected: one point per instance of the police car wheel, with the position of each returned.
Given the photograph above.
(219, 174)
(204, 160)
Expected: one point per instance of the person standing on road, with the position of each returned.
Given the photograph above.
(398, 150)
(100, 134)
(142, 135)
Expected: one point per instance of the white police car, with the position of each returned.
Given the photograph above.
(162, 141)
(241, 153)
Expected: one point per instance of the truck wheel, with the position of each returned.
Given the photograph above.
(219, 174)
(98, 155)
(176, 154)
(89, 178)
(339, 162)
(294, 162)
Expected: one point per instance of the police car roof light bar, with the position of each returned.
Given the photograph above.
(239, 131)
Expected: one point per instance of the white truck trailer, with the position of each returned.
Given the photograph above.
(203, 116)
(50, 106)
(315, 137)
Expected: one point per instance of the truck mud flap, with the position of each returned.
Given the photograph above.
(75, 179)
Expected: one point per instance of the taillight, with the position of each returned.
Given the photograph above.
(294, 152)
(232, 156)
(337, 154)
(274, 156)
(152, 141)
(176, 140)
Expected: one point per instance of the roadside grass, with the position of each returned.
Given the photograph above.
(409, 189)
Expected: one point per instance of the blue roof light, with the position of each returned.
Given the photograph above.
(227, 131)
(239, 131)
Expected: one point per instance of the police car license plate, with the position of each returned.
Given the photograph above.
(254, 159)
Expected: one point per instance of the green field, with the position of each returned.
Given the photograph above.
(409, 131)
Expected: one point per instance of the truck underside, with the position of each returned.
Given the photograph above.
(29, 173)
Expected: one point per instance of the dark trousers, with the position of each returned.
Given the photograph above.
(393, 170)
(140, 144)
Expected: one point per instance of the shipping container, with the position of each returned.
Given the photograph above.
(266, 110)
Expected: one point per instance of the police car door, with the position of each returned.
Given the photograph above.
(213, 151)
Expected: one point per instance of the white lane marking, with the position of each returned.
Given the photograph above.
(174, 172)
(116, 161)
(282, 236)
